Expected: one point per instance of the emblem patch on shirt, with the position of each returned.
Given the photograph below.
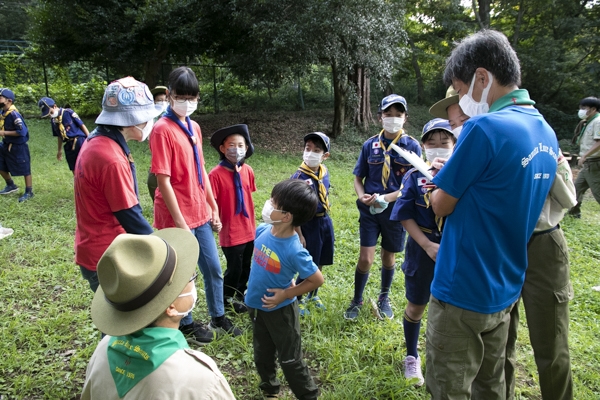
(376, 145)
(376, 151)
(308, 181)
(422, 181)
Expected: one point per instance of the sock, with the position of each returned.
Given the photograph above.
(411, 335)
(28, 189)
(387, 276)
(10, 182)
(360, 281)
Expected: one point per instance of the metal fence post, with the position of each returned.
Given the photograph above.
(45, 78)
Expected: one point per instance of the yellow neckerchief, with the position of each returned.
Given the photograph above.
(385, 173)
(61, 127)
(4, 115)
(319, 178)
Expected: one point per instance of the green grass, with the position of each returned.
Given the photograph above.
(47, 335)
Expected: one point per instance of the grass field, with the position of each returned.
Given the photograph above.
(47, 335)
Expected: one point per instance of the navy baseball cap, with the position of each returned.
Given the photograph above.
(436, 124)
(7, 93)
(320, 136)
(393, 99)
(44, 104)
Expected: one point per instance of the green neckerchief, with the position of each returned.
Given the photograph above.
(133, 357)
(585, 126)
(519, 97)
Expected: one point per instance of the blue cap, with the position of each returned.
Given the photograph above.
(435, 124)
(7, 93)
(320, 136)
(393, 99)
(44, 104)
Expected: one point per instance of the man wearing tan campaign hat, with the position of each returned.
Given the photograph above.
(147, 285)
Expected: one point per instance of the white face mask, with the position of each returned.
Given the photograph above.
(456, 131)
(392, 124)
(163, 104)
(582, 114)
(312, 159)
(431, 154)
(184, 109)
(54, 113)
(147, 129)
(235, 154)
(194, 294)
(267, 211)
(471, 107)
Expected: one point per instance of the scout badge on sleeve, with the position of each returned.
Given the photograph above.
(414, 159)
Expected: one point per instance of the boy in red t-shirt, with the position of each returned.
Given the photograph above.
(232, 182)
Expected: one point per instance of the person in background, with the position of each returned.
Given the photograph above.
(160, 99)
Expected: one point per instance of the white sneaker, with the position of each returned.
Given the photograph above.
(412, 370)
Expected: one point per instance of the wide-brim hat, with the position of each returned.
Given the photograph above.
(434, 125)
(219, 136)
(319, 136)
(44, 104)
(440, 109)
(393, 99)
(127, 102)
(140, 277)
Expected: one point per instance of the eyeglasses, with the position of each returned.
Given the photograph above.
(183, 99)
(193, 278)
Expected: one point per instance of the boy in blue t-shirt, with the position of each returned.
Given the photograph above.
(377, 177)
(413, 210)
(271, 296)
(316, 235)
(67, 127)
(14, 151)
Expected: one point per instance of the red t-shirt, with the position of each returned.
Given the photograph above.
(103, 184)
(173, 155)
(237, 229)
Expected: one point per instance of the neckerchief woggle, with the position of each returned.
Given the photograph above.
(319, 178)
(240, 207)
(133, 357)
(3, 115)
(114, 134)
(188, 131)
(385, 173)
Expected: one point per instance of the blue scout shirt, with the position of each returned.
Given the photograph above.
(370, 164)
(71, 123)
(14, 122)
(315, 185)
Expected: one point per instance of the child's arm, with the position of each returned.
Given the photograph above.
(417, 234)
(212, 203)
(300, 236)
(279, 295)
(168, 194)
(359, 188)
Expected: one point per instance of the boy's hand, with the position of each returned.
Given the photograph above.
(270, 302)
(437, 164)
(432, 250)
(368, 199)
(215, 223)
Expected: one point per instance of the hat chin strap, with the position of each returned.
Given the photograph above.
(167, 271)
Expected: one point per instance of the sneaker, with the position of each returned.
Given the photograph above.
(412, 370)
(352, 311)
(302, 308)
(316, 300)
(197, 333)
(224, 325)
(236, 306)
(270, 396)
(574, 212)
(9, 189)
(385, 309)
(26, 196)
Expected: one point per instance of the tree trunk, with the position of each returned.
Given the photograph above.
(483, 14)
(518, 24)
(363, 116)
(418, 75)
(153, 64)
(340, 97)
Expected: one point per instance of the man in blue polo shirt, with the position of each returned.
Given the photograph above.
(67, 127)
(491, 192)
(14, 151)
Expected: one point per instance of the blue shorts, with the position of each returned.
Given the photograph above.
(15, 159)
(71, 152)
(371, 226)
(418, 270)
(318, 233)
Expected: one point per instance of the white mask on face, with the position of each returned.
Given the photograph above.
(235, 154)
(194, 294)
(312, 159)
(267, 211)
(184, 109)
(431, 154)
(146, 130)
(54, 113)
(582, 114)
(456, 131)
(163, 104)
(392, 124)
(471, 107)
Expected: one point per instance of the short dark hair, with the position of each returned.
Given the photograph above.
(487, 49)
(591, 102)
(399, 107)
(319, 144)
(183, 82)
(440, 131)
(297, 198)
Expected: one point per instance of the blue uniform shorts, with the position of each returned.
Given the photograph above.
(318, 233)
(418, 270)
(15, 159)
(371, 226)
(71, 152)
